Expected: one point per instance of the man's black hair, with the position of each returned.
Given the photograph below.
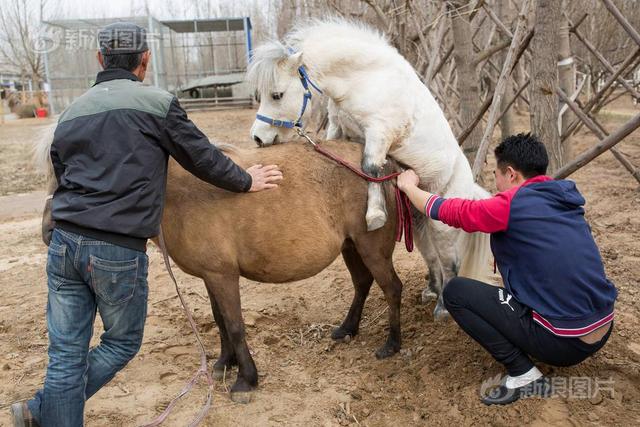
(125, 61)
(524, 153)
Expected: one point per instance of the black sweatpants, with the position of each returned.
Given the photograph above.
(506, 329)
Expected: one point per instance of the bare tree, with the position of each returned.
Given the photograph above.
(468, 81)
(566, 77)
(544, 80)
(506, 122)
(19, 22)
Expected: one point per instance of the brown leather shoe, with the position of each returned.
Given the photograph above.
(22, 416)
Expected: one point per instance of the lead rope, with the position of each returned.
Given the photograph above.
(403, 205)
(202, 371)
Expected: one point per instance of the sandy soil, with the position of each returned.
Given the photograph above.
(306, 379)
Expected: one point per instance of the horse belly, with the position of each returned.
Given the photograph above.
(289, 257)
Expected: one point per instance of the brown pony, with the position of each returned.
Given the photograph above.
(282, 235)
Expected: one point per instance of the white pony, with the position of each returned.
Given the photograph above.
(376, 93)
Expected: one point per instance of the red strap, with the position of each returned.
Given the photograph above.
(403, 205)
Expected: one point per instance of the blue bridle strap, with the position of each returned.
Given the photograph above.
(306, 81)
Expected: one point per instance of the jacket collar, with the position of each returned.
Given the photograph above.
(115, 74)
(538, 178)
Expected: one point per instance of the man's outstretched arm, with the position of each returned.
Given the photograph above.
(486, 215)
(192, 149)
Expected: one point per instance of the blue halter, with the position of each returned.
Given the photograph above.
(306, 81)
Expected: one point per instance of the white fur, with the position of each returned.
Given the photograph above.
(41, 151)
(372, 85)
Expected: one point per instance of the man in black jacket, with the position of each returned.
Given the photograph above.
(110, 153)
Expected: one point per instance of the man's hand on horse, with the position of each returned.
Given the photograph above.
(264, 177)
(407, 179)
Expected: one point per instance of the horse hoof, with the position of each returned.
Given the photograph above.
(428, 295)
(343, 335)
(243, 397)
(440, 314)
(375, 220)
(387, 350)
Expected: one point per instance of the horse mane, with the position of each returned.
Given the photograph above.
(262, 71)
(334, 27)
(266, 59)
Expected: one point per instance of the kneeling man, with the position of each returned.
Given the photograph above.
(557, 303)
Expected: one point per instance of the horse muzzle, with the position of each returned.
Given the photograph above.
(263, 144)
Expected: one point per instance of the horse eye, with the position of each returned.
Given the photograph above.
(276, 96)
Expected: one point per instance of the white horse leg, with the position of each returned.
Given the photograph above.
(373, 160)
(449, 251)
(376, 208)
(425, 245)
(334, 130)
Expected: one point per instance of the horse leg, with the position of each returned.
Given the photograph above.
(227, 358)
(447, 247)
(362, 280)
(226, 293)
(382, 270)
(374, 158)
(334, 130)
(424, 242)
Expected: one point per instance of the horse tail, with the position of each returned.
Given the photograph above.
(41, 155)
(477, 251)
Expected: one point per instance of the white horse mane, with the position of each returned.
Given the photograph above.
(263, 69)
(262, 72)
(337, 27)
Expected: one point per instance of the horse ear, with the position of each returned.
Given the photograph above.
(295, 60)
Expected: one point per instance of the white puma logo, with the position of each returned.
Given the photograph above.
(503, 300)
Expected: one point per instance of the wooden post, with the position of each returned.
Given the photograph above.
(509, 62)
(604, 145)
(604, 61)
(630, 60)
(600, 133)
(622, 20)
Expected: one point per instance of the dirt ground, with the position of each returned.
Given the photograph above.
(306, 379)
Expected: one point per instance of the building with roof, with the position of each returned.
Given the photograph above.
(195, 58)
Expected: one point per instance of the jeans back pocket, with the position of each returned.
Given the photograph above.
(113, 281)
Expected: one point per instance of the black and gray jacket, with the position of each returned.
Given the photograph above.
(110, 152)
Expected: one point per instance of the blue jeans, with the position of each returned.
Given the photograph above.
(85, 275)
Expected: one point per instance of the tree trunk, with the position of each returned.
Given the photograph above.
(567, 79)
(468, 82)
(544, 80)
(506, 122)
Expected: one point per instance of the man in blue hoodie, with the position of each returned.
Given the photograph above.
(557, 303)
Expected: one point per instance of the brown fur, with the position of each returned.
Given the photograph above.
(281, 235)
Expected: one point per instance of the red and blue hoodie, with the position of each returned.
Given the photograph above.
(544, 250)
